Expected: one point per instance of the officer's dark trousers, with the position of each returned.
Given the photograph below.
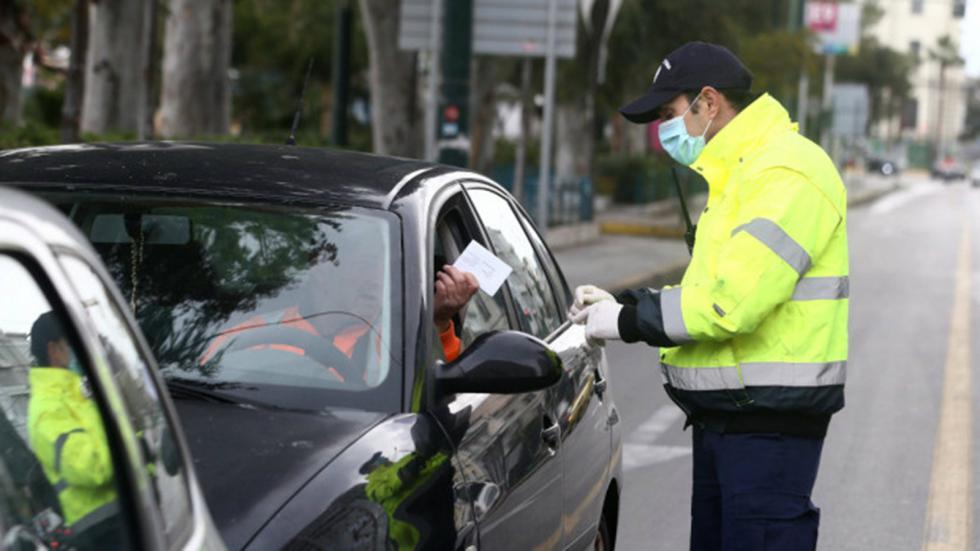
(752, 492)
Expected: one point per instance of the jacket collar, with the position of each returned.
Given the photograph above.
(744, 134)
(53, 379)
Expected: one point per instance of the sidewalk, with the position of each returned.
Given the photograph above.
(642, 245)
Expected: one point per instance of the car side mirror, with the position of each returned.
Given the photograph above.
(500, 362)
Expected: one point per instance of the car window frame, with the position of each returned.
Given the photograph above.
(39, 261)
(165, 403)
(474, 184)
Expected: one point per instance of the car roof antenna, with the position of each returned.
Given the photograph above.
(291, 140)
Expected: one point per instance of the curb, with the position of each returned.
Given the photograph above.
(673, 232)
(656, 278)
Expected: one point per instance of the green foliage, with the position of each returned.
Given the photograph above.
(642, 178)
(272, 44)
(27, 135)
(886, 73)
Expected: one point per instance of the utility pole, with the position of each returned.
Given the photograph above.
(547, 131)
(457, 47)
(826, 113)
(344, 16)
(433, 59)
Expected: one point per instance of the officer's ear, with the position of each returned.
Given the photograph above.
(711, 100)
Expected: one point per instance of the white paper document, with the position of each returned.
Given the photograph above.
(489, 270)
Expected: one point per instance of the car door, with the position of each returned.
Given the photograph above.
(88, 443)
(581, 412)
(506, 445)
(588, 416)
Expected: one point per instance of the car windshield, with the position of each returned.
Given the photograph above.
(288, 309)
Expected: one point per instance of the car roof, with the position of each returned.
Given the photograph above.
(277, 173)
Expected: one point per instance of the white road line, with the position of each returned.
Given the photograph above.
(901, 198)
(948, 523)
(640, 449)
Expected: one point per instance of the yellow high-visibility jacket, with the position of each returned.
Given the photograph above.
(67, 435)
(760, 316)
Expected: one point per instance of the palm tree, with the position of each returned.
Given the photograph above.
(947, 54)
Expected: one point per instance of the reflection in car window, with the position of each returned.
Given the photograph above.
(53, 445)
(287, 309)
(132, 377)
(528, 282)
(483, 312)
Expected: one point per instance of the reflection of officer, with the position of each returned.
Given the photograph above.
(66, 432)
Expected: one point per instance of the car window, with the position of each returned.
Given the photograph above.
(483, 312)
(269, 307)
(53, 442)
(562, 293)
(536, 307)
(130, 371)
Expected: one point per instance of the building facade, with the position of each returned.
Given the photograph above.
(937, 111)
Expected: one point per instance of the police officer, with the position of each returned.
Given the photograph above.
(754, 339)
(67, 435)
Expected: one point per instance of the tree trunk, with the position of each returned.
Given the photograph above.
(113, 72)
(14, 42)
(71, 110)
(483, 106)
(196, 97)
(394, 114)
(576, 114)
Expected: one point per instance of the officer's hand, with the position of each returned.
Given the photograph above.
(587, 295)
(601, 321)
(453, 289)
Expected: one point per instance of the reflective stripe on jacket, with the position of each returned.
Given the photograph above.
(760, 315)
(68, 438)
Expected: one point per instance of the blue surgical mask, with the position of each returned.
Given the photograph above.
(75, 366)
(677, 142)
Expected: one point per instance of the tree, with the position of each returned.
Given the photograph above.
(114, 66)
(393, 76)
(196, 95)
(15, 41)
(947, 54)
(71, 110)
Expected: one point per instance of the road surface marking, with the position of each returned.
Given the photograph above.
(950, 509)
(640, 450)
(896, 200)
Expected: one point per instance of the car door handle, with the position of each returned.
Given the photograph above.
(600, 384)
(551, 433)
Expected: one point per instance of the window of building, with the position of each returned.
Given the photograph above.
(959, 8)
(915, 49)
(917, 6)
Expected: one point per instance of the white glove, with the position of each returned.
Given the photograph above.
(587, 295)
(601, 320)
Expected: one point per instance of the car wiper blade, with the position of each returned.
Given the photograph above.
(190, 389)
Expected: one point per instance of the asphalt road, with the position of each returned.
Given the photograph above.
(877, 468)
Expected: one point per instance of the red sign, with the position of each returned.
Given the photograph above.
(821, 16)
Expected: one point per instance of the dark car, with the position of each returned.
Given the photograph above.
(883, 166)
(287, 294)
(91, 453)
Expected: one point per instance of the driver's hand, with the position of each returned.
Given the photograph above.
(453, 289)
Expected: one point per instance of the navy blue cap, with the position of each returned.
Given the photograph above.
(690, 67)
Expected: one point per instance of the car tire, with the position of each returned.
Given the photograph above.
(603, 537)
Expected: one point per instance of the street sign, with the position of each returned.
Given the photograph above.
(516, 28)
(837, 26)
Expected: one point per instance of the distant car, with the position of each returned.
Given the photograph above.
(947, 169)
(975, 175)
(100, 462)
(883, 166)
(287, 293)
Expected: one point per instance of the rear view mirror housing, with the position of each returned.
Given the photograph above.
(500, 362)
